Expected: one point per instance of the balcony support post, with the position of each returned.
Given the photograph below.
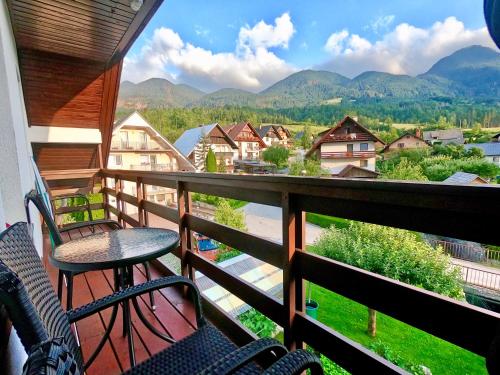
(105, 199)
(293, 297)
(140, 198)
(118, 189)
(184, 207)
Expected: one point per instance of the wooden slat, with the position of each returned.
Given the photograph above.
(69, 209)
(108, 191)
(418, 307)
(255, 297)
(113, 210)
(161, 211)
(129, 219)
(348, 354)
(130, 199)
(267, 251)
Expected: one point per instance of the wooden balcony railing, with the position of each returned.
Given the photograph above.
(348, 154)
(466, 212)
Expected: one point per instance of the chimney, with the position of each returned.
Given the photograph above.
(418, 133)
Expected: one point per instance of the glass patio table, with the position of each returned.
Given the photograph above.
(118, 250)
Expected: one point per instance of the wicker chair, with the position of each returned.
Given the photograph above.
(55, 234)
(44, 327)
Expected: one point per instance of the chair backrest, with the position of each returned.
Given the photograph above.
(38, 201)
(19, 254)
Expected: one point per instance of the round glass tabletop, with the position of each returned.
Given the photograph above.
(114, 249)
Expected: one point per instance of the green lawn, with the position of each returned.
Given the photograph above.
(325, 221)
(413, 345)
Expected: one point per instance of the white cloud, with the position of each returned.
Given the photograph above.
(404, 50)
(381, 23)
(252, 66)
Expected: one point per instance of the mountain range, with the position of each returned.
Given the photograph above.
(472, 72)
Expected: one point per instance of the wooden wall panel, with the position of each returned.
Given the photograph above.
(55, 156)
(60, 90)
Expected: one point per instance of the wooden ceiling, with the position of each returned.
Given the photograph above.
(70, 56)
(90, 29)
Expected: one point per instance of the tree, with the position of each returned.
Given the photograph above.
(277, 155)
(306, 139)
(307, 167)
(226, 215)
(405, 170)
(399, 254)
(221, 166)
(211, 161)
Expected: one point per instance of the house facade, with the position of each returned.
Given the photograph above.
(250, 144)
(491, 150)
(405, 142)
(275, 135)
(195, 143)
(347, 143)
(136, 145)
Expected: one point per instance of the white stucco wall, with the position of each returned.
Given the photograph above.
(339, 163)
(16, 173)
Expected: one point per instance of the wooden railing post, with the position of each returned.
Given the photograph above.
(145, 197)
(118, 189)
(293, 298)
(184, 207)
(105, 198)
(140, 197)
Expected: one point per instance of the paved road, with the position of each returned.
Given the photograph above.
(265, 221)
(479, 274)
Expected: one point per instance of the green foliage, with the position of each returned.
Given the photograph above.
(405, 170)
(221, 166)
(308, 167)
(211, 161)
(75, 217)
(457, 151)
(395, 357)
(277, 155)
(325, 221)
(258, 323)
(306, 139)
(440, 168)
(395, 253)
(225, 253)
(214, 200)
(226, 215)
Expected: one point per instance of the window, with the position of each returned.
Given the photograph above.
(124, 139)
(363, 146)
(363, 163)
(496, 159)
(115, 160)
(144, 159)
(152, 159)
(350, 147)
(348, 130)
(144, 141)
(401, 145)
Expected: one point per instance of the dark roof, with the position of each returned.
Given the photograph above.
(264, 129)
(327, 133)
(234, 130)
(345, 172)
(404, 135)
(489, 149)
(463, 178)
(446, 134)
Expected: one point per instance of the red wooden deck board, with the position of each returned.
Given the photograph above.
(174, 315)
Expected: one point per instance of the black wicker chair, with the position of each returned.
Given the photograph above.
(37, 315)
(55, 234)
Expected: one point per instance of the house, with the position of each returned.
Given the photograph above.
(347, 143)
(444, 137)
(459, 178)
(195, 143)
(496, 138)
(352, 171)
(405, 142)
(491, 150)
(250, 144)
(275, 135)
(136, 145)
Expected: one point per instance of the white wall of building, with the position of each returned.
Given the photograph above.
(16, 173)
(342, 162)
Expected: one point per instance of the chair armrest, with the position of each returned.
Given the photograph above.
(83, 224)
(242, 356)
(296, 363)
(134, 291)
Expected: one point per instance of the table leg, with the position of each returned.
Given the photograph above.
(123, 282)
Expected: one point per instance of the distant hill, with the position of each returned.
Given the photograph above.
(156, 92)
(474, 71)
(470, 72)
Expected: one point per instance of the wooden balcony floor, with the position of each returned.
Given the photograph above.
(174, 315)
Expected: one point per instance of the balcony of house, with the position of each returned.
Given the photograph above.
(428, 208)
(351, 137)
(169, 167)
(135, 146)
(348, 154)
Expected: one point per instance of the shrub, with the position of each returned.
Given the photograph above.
(211, 161)
(310, 167)
(277, 155)
(258, 323)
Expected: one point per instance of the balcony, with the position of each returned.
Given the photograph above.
(348, 155)
(351, 137)
(135, 146)
(153, 167)
(430, 208)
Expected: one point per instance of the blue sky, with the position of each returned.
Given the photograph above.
(203, 43)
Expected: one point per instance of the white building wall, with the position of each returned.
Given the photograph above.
(342, 162)
(16, 172)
